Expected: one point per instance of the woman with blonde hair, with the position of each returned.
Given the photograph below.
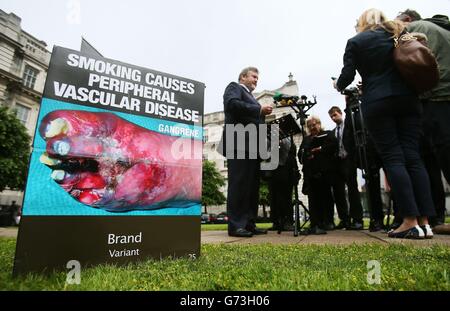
(392, 113)
(317, 155)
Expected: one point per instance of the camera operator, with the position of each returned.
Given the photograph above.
(392, 114)
(317, 154)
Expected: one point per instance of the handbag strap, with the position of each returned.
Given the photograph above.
(406, 36)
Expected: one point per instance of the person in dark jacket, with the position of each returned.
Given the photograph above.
(241, 108)
(346, 167)
(281, 185)
(317, 155)
(436, 104)
(392, 113)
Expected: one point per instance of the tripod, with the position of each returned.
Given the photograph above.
(368, 162)
(290, 128)
(359, 134)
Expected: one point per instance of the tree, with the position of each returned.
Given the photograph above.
(14, 151)
(212, 181)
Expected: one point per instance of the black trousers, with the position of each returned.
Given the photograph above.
(280, 189)
(376, 204)
(337, 183)
(320, 199)
(434, 172)
(243, 193)
(347, 169)
(394, 124)
(436, 126)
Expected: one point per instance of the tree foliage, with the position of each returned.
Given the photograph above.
(212, 181)
(264, 198)
(14, 151)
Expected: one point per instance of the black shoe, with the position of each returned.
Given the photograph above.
(241, 232)
(257, 231)
(316, 230)
(436, 221)
(329, 226)
(376, 225)
(357, 226)
(412, 233)
(342, 225)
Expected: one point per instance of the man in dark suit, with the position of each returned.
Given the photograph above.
(242, 110)
(346, 174)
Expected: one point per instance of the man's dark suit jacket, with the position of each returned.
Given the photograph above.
(370, 52)
(240, 107)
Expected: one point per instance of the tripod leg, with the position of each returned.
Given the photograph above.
(296, 218)
(306, 215)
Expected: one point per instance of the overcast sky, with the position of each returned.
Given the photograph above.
(211, 40)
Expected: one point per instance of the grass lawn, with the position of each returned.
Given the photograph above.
(257, 267)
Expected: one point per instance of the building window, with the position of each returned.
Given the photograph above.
(29, 76)
(22, 113)
(205, 135)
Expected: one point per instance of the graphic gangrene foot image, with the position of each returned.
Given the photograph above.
(107, 162)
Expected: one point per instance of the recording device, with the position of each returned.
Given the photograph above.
(301, 105)
(351, 91)
(285, 100)
(353, 97)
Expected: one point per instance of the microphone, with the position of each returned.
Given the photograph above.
(285, 100)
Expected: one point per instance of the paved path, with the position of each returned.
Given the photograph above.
(10, 232)
(335, 237)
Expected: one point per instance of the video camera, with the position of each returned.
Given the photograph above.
(353, 96)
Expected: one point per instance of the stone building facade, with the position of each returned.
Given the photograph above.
(24, 62)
